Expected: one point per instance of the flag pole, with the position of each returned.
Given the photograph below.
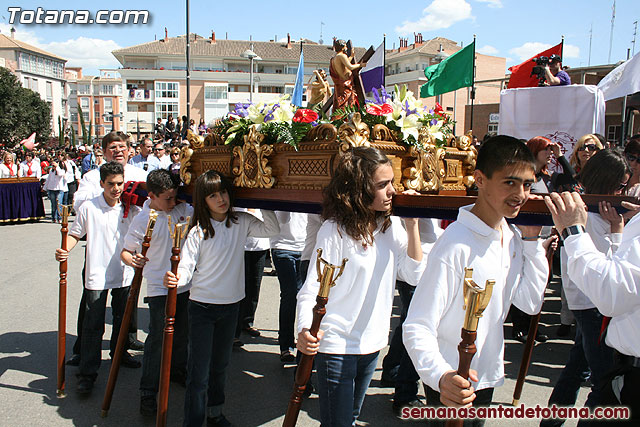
(384, 60)
(623, 128)
(473, 83)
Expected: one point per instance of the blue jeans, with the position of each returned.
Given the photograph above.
(211, 331)
(343, 380)
(585, 354)
(93, 327)
(56, 197)
(150, 380)
(287, 264)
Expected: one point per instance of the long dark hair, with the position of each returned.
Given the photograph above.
(348, 197)
(603, 173)
(208, 183)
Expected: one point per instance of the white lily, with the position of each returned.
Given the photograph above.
(256, 112)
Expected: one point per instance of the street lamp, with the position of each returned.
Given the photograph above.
(251, 56)
(111, 116)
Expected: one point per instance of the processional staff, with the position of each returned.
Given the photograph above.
(132, 303)
(303, 372)
(62, 303)
(528, 347)
(178, 233)
(476, 300)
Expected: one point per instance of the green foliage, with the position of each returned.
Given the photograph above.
(288, 133)
(86, 133)
(22, 112)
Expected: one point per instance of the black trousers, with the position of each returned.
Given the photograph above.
(483, 398)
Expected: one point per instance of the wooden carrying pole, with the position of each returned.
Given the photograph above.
(178, 233)
(62, 305)
(132, 303)
(528, 347)
(303, 372)
(476, 300)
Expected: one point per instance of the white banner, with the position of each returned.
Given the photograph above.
(560, 113)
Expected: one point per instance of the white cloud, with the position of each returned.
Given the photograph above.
(85, 52)
(530, 49)
(487, 50)
(496, 4)
(438, 15)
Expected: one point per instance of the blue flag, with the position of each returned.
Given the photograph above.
(297, 90)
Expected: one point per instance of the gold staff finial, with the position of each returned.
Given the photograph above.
(325, 277)
(476, 300)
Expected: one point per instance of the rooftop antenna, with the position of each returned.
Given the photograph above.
(613, 17)
(322, 23)
(590, 38)
(633, 43)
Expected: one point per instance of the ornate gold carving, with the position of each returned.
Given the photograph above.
(324, 131)
(427, 172)
(354, 133)
(252, 170)
(221, 166)
(185, 165)
(195, 140)
(382, 133)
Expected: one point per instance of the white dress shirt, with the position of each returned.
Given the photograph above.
(215, 266)
(359, 309)
(431, 332)
(612, 283)
(159, 252)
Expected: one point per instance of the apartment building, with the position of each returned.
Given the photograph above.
(101, 100)
(38, 70)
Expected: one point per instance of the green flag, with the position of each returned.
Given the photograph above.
(452, 73)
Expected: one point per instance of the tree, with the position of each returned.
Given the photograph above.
(22, 112)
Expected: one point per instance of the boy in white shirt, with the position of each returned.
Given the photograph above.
(162, 187)
(480, 239)
(102, 220)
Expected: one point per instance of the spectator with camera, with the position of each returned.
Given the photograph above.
(554, 74)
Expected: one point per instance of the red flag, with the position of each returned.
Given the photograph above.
(29, 142)
(521, 74)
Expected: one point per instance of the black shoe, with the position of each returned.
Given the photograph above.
(287, 356)
(85, 385)
(308, 390)
(136, 345)
(398, 406)
(74, 360)
(563, 330)
(219, 421)
(148, 406)
(237, 342)
(129, 362)
(519, 336)
(252, 331)
(541, 337)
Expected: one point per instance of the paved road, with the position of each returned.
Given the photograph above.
(258, 386)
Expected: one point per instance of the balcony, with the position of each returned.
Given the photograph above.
(139, 95)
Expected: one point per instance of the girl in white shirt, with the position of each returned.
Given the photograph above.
(358, 226)
(55, 186)
(212, 259)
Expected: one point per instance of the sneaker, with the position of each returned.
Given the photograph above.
(148, 406)
(398, 406)
(74, 360)
(129, 362)
(219, 421)
(85, 385)
(287, 356)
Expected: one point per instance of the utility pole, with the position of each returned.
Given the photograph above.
(613, 18)
(633, 43)
(590, 38)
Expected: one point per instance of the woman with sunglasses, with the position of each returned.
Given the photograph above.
(632, 154)
(174, 167)
(583, 150)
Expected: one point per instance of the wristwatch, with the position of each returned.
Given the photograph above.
(571, 230)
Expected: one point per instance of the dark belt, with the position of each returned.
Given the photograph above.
(626, 360)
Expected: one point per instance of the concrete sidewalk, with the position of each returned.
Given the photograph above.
(258, 386)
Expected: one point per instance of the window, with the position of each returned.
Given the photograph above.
(74, 117)
(84, 102)
(34, 85)
(163, 109)
(49, 91)
(493, 128)
(238, 88)
(215, 92)
(107, 90)
(83, 89)
(85, 116)
(166, 89)
(613, 133)
(73, 90)
(26, 83)
(108, 104)
(270, 89)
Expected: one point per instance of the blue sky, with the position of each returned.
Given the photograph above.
(514, 29)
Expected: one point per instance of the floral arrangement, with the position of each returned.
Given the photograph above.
(281, 121)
